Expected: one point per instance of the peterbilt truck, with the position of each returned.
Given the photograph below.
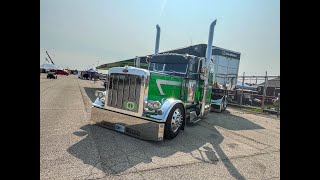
(158, 102)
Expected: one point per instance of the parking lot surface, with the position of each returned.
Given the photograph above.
(228, 145)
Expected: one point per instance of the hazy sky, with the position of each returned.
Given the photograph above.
(79, 33)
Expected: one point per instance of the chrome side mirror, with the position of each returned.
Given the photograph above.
(148, 59)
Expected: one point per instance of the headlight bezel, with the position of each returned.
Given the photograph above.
(155, 105)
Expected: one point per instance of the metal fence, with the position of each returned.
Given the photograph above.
(260, 93)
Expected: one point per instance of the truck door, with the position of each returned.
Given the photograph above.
(190, 83)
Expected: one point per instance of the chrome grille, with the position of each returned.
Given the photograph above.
(124, 89)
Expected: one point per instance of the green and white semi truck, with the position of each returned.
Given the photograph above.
(156, 103)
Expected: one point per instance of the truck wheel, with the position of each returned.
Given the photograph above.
(220, 107)
(174, 121)
(224, 105)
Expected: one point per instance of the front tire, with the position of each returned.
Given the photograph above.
(174, 121)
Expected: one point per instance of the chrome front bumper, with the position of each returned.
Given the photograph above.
(130, 125)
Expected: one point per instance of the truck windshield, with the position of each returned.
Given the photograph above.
(169, 68)
(179, 68)
(156, 67)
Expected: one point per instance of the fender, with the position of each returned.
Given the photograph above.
(217, 101)
(166, 108)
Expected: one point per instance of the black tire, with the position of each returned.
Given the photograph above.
(224, 107)
(220, 107)
(169, 133)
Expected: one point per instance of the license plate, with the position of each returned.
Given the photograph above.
(120, 128)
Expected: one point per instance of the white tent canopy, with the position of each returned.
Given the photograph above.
(49, 66)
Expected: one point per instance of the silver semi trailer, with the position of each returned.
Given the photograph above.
(226, 67)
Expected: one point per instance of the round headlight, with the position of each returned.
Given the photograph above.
(154, 104)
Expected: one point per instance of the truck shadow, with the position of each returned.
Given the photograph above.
(114, 153)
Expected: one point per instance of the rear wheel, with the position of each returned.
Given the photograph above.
(174, 121)
(220, 107)
(224, 105)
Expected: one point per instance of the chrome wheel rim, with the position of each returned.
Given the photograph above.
(176, 120)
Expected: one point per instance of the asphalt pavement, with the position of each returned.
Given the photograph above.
(228, 145)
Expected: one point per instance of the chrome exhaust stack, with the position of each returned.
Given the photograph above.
(208, 58)
(156, 50)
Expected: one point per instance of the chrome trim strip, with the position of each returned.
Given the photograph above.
(117, 91)
(135, 87)
(123, 90)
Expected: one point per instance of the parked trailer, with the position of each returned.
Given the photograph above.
(156, 103)
(226, 67)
